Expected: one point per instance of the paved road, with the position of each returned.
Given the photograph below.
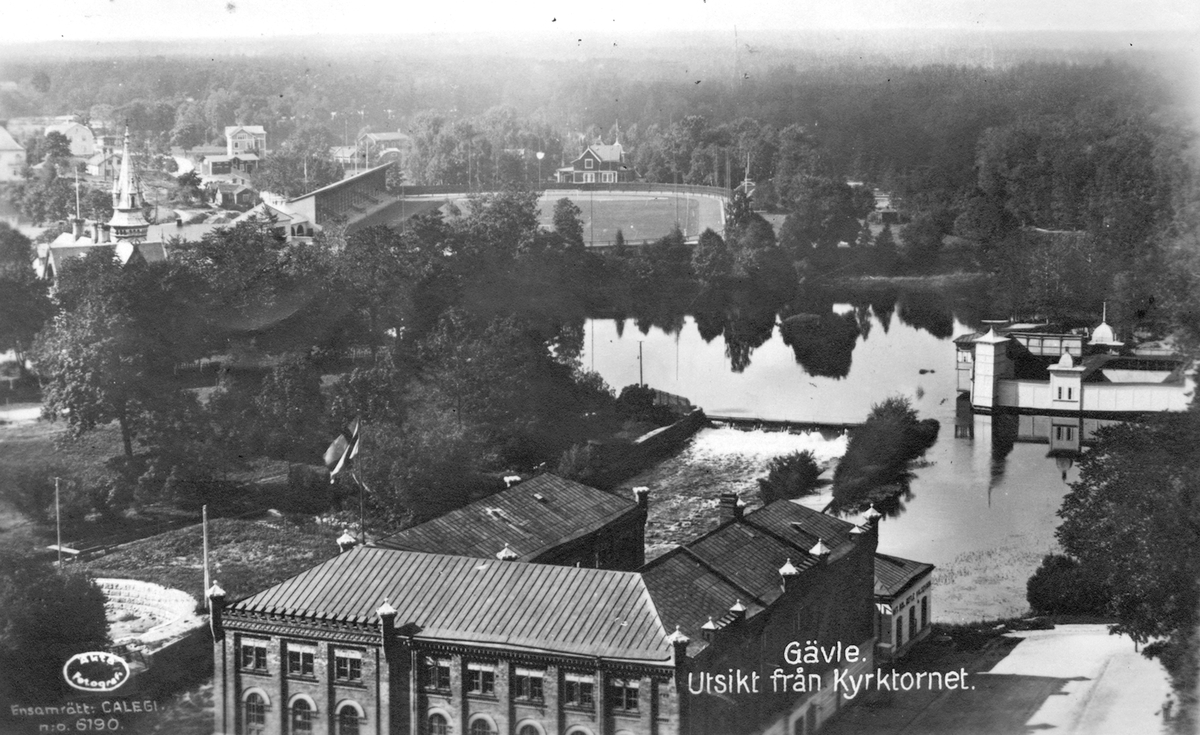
(1113, 688)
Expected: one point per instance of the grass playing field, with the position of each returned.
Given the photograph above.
(639, 217)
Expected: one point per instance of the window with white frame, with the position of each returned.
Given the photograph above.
(579, 689)
(481, 678)
(623, 695)
(347, 666)
(528, 684)
(436, 674)
(301, 659)
(253, 655)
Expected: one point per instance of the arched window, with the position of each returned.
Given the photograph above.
(529, 729)
(348, 719)
(302, 718)
(924, 611)
(438, 725)
(899, 630)
(255, 721)
(481, 726)
(912, 622)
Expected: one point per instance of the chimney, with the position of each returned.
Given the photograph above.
(871, 517)
(642, 496)
(346, 542)
(709, 629)
(820, 550)
(216, 605)
(730, 508)
(739, 611)
(387, 630)
(104, 233)
(506, 554)
(77, 228)
(96, 232)
(787, 572)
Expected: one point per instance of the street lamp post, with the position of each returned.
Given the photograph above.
(540, 156)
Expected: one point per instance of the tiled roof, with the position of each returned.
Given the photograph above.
(893, 574)
(738, 560)
(530, 517)
(586, 612)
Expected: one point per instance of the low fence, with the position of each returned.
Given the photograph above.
(628, 188)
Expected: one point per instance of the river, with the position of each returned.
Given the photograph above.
(983, 506)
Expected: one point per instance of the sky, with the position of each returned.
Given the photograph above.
(90, 20)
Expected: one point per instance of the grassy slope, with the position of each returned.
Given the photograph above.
(245, 556)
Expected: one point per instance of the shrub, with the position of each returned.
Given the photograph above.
(1061, 586)
(790, 476)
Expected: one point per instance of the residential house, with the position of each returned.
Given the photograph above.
(12, 157)
(245, 139)
(376, 148)
(232, 196)
(83, 142)
(104, 164)
(598, 164)
(244, 164)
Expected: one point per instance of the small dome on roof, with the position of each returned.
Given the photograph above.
(1103, 335)
(1066, 360)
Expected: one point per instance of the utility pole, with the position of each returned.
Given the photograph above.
(58, 523)
(204, 528)
(641, 377)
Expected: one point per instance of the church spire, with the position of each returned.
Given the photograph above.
(128, 223)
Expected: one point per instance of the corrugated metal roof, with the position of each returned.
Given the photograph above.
(588, 612)
(531, 517)
(893, 574)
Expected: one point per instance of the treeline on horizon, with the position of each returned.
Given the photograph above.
(974, 156)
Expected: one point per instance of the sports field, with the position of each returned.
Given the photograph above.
(639, 217)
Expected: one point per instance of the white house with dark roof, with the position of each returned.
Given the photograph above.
(241, 139)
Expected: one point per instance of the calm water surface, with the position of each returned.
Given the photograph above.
(981, 514)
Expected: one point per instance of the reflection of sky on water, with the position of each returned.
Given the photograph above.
(965, 501)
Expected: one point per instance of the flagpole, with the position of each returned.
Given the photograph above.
(204, 524)
(362, 518)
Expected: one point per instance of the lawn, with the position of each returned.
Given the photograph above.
(638, 217)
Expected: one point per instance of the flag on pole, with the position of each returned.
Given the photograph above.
(341, 451)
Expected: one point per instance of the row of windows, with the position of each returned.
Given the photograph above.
(300, 717)
(529, 685)
(1070, 393)
(347, 666)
